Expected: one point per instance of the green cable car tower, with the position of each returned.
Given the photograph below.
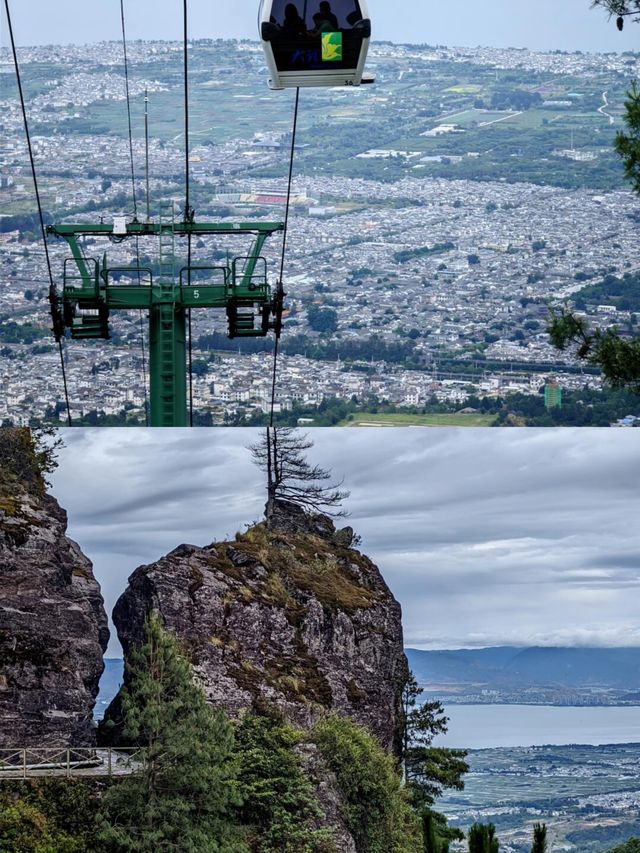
(91, 290)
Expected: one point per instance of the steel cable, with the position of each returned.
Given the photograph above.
(284, 248)
(52, 287)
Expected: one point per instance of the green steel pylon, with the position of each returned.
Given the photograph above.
(91, 291)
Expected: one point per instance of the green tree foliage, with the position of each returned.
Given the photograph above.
(482, 838)
(619, 358)
(429, 770)
(630, 846)
(436, 834)
(26, 457)
(21, 333)
(184, 795)
(405, 255)
(398, 352)
(623, 293)
(619, 8)
(48, 816)
(429, 836)
(376, 811)
(627, 143)
(515, 99)
(322, 319)
(24, 829)
(278, 802)
(539, 838)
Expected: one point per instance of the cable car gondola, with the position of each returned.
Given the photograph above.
(315, 42)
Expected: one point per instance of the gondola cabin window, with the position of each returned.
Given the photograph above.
(315, 42)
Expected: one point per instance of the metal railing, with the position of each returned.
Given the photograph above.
(34, 762)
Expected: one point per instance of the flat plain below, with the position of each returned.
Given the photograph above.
(457, 419)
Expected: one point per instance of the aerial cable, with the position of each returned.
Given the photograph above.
(126, 83)
(188, 210)
(53, 300)
(135, 206)
(280, 292)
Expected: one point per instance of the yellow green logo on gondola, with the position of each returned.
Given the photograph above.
(331, 47)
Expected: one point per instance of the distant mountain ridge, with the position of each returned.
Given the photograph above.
(512, 666)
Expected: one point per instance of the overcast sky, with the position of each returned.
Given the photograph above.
(537, 24)
(485, 536)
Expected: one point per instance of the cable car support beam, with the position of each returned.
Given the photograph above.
(92, 290)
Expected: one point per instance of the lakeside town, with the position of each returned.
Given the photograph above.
(405, 283)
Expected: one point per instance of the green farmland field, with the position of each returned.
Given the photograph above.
(461, 419)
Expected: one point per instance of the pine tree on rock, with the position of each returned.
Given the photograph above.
(281, 455)
(183, 796)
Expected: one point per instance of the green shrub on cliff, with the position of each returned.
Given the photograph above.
(279, 806)
(184, 795)
(377, 813)
(26, 457)
(47, 816)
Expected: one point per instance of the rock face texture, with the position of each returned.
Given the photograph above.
(287, 614)
(53, 628)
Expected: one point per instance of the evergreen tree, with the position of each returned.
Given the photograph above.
(539, 838)
(619, 8)
(280, 453)
(375, 807)
(431, 844)
(428, 770)
(627, 143)
(436, 833)
(183, 797)
(482, 838)
(618, 358)
(279, 806)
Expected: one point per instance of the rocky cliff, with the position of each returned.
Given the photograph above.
(53, 627)
(288, 613)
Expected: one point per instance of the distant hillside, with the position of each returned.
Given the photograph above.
(506, 667)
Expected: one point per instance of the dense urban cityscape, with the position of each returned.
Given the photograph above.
(466, 192)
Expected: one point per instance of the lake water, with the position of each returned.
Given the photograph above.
(486, 726)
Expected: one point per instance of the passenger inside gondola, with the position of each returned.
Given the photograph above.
(327, 14)
(315, 35)
(320, 25)
(339, 14)
(292, 25)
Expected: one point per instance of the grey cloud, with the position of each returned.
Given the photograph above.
(483, 535)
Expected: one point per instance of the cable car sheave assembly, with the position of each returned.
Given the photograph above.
(325, 47)
(91, 290)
